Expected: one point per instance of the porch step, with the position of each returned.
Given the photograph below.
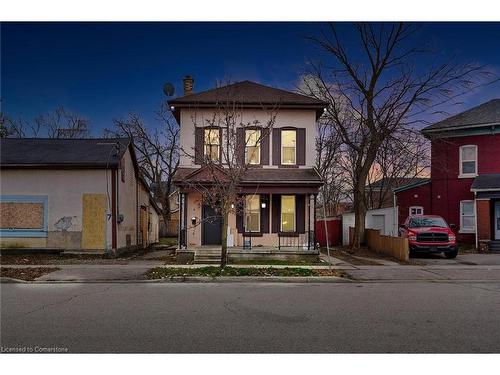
(495, 246)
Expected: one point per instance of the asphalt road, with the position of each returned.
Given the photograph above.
(331, 318)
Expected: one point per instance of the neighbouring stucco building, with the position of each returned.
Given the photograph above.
(465, 176)
(279, 187)
(74, 194)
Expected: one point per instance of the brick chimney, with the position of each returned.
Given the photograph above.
(188, 85)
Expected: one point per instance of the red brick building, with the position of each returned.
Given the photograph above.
(465, 176)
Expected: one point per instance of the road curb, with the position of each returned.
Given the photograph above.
(200, 279)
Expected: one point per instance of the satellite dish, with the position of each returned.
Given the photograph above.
(168, 89)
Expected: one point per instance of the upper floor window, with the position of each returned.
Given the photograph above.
(288, 213)
(212, 144)
(252, 213)
(467, 216)
(252, 146)
(468, 161)
(288, 147)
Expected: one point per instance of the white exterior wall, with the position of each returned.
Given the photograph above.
(64, 189)
(127, 204)
(388, 216)
(299, 118)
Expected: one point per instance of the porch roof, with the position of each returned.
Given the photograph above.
(256, 176)
(486, 182)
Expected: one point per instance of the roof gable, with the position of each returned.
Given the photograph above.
(482, 115)
(248, 94)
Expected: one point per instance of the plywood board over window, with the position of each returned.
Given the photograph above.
(94, 221)
(21, 215)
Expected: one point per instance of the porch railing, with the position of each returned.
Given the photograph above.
(302, 241)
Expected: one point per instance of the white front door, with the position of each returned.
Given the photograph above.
(497, 221)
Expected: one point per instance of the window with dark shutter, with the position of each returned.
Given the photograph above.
(198, 145)
(276, 146)
(301, 146)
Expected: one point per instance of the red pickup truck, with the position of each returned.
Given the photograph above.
(429, 233)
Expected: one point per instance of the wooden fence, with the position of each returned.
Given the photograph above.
(396, 247)
(170, 229)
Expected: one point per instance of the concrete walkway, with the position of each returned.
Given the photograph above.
(394, 273)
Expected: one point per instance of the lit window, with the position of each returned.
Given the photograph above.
(288, 142)
(467, 216)
(252, 146)
(288, 213)
(416, 210)
(468, 160)
(212, 142)
(252, 213)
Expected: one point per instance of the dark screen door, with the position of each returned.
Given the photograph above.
(212, 225)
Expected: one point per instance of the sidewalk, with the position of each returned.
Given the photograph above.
(385, 273)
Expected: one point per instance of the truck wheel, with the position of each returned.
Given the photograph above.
(451, 254)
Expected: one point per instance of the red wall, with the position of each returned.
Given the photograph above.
(442, 197)
(334, 227)
(418, 196)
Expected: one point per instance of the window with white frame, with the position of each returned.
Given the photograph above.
(212, 144)
(416, 210)
(288, 147)
(252, 146)
(288, 213)
(252, 213)
(468, 160)
(467, 216)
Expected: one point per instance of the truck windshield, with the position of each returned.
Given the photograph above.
(418, 222)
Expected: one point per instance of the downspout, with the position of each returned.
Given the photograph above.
(179, 222)
(475, 219)
(395, 215)
(113, 209)
(136, 211)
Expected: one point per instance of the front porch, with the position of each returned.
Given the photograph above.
(486, 188)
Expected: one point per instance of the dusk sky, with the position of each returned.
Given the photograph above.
(105, 70)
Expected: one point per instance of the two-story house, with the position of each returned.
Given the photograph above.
(465, 176)
(280, 186)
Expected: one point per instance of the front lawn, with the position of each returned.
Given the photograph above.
(161, 273)
(168, 241)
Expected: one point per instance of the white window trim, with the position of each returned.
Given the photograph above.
(470, 229)
(295, 148)
(294, 213)
(258, 145)
(245, 216)
(467, 175)
(411, 207)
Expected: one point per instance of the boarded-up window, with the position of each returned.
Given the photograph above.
(21, 215)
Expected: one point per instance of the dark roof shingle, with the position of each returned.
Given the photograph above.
(77, 153)
(486, 181)
(262, 175)
(486, 113)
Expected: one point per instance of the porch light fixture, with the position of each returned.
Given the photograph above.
(232, 205)
(263, 204)
(172, 107)
(193, 220)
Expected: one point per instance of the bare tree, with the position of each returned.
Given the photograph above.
(157, 151)
(229, 144)
(59, 123)
(376, 91)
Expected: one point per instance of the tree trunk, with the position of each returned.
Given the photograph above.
(359, 221)
(223, 255)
